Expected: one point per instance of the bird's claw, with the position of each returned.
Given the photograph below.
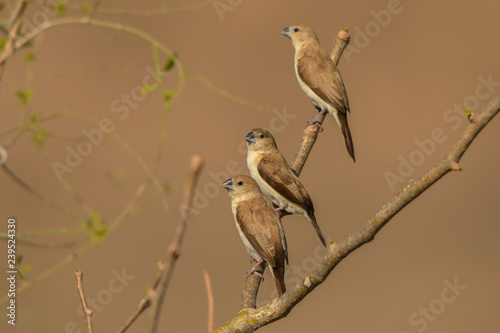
(252, 271)
(313, 122)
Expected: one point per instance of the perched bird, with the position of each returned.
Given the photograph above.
(276, 179)
(259, 226)
(320, 79)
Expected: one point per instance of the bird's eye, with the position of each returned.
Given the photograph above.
(261, 136)
(295, 29)
(240, 183)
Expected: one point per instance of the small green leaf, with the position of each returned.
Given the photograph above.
(167, 187)
(467, 113)
(35, 119)
(86, 7)
(168, 94)
(25, 95)
(118, 176)
(3, 41)
(149, 88)
(29, 57)
(60, 8)
(99, 234)
(40, 137)
(170, 62)
(96, 226)
(22, 269)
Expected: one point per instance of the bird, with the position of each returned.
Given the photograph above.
(276, 179)
(259, 226)
(320, 79)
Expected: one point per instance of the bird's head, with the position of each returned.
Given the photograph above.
(260, 140)
(241, 186)
(299, 34)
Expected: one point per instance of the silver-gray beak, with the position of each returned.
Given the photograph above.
(228, 184)
(286, 32)
(250, 137)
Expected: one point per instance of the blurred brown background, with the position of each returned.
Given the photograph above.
(404, 72)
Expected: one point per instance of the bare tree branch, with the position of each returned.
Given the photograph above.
(249, 295)
(86, 310)
(249, 319)
(210, 298)
(156, 294)
(174, 249)
(145, 302)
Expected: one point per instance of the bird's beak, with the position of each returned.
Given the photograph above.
(250, 137)
(228, 184)
(286, 32)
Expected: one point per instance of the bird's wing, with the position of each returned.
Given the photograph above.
(257, 220)
(276, 172)
(323, 77)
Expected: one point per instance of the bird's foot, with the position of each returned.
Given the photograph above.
(312, 122)
(253, 270)
(279, 208)
(315, 120)
(256, 273)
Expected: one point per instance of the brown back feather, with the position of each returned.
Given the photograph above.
(276, 172)
(323, 77)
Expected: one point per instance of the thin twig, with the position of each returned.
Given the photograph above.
(86, 310)
(231, 96)
(339, 46)
(174, 249)
(149, 12)
(45, 199)
(145, 302)
(210, 299)
(69, 244)
(309, 137)
(21, 41)
(94, 8)
(13, 26)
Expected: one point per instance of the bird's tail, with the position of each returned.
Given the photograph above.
(279, 278)
(312, 219)
(342, 118)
